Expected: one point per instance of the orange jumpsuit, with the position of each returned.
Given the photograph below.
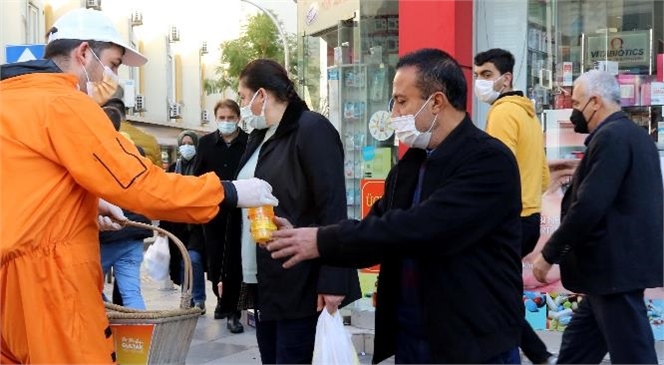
(58, 154)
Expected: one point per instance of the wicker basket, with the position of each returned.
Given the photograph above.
(173, 329)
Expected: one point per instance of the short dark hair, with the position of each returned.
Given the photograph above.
(270, 75)
(117, 104)
(229, 104)
(114, 115)
(437, 71)
(502, 59)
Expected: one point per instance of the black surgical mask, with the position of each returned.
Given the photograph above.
(579, 121)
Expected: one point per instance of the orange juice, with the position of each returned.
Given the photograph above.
(261, 222)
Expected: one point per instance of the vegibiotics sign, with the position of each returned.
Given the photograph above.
(626, 48)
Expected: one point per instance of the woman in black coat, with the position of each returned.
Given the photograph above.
(300, 154)
(190, 234)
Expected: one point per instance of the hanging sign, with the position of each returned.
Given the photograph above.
(629, 49)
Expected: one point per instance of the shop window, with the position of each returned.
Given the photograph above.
(347, 72)
(566, 38)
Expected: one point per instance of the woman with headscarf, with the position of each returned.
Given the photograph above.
(190, 234)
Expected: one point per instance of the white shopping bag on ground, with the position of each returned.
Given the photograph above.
(333, 345)
(157, 259)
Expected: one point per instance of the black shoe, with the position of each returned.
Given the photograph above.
(201, 306)
(234, 324)
(219, 312)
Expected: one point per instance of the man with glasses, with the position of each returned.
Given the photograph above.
(446, 232)
(220, 152)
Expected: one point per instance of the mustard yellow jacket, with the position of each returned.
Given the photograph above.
(513, 121)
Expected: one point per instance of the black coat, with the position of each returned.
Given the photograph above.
(127, 233)
(610, 237)
(215, 156)
(303, 161)
(465, 237)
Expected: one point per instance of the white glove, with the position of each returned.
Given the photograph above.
(108, 211)
(254, 193)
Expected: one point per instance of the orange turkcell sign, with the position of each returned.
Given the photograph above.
(370, 190)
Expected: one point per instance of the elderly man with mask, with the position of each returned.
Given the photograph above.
(59, 155)
(446, 232)
(609, 243)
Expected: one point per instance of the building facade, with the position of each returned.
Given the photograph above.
(180, 41)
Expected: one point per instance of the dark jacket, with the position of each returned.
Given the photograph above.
(190, 234)
(29, 67)
(215, 156)
(127, 233)
(465, 237)
(303, 161)
(610, 237)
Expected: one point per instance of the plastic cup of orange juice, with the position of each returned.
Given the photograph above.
(261, 223)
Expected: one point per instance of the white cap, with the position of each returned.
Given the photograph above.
(89, 24)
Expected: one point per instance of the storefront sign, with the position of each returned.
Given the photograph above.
(132, 342)
(312, 13)
(626, 48)
(568, 71)
(371, 190)
(320, 15)
(657, 93)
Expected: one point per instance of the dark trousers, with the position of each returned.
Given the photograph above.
(412, 348)
(287, 341)
(617, 324)
(510, 356)
(530, 230)
(533, 347)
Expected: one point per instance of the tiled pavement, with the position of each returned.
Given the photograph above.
(214, 344)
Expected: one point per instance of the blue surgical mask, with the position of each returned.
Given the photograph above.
(226, 128)
(187, 151)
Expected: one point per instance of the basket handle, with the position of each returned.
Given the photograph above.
(185, 298)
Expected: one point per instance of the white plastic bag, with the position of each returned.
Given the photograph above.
(157, 259)
(333, 345)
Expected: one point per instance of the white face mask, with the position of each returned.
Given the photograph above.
(226, 128)
(485, 90)
(254, 121)
(406, 131)
(187, 151)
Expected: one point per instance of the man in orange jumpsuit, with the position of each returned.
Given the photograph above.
(59, 155)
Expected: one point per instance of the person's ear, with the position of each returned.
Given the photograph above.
(78, 54)
(439, 102)
(507, 79)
